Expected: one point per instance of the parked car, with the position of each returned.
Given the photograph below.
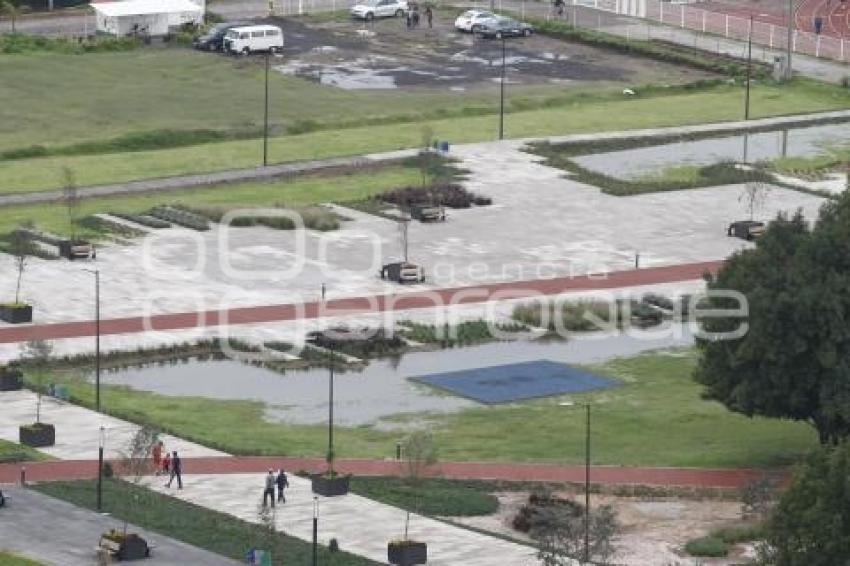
(470, 18)
(746, 229)
(502, 27)
(248, 39)
(371, 9)
(403, 272)
(213, 38)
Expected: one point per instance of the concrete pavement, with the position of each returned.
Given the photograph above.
(360, 525)
(58, 533)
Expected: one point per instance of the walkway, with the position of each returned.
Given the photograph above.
(59, 533)
(599, 475)
(359, 305)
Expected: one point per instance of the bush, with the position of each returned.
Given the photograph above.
(451, 195)
(572, 316)
(465, 333)
(708, 547)
(143, 219)
(13, 43)
(737, 534)
(180, 217)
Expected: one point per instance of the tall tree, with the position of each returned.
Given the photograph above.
(811, 524)
(794, 360)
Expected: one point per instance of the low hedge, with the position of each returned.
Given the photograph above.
(707, 547)
(14, 43)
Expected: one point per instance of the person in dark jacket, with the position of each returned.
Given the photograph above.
(268, 492)
(176, 471)
(282, 483)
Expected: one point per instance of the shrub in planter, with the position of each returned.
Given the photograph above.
(711, 547)
(407, 552)
(125, 546)
(330, 485)
(11, 379)
(15, 313)
(37, 435)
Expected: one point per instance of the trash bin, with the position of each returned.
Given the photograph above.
(444, 146)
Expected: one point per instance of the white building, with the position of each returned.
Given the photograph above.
(154, 17)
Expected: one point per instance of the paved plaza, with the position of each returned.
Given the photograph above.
(360, 525)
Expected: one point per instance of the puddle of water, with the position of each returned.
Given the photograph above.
(382, 388)
(348, 77)
(638, 162)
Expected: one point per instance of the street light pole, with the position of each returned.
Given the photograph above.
(96, 273)
(587, 486)
(266, 118)
(749, 69)
(790, 45)
(101, 442)
(331, 415)
(502, 96)
(315, 531)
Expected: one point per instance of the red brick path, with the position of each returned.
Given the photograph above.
(606, 475)
(360, 305)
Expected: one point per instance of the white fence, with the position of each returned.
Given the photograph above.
(733, 27)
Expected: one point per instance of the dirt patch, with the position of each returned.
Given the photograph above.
(654, 531)
(385, 55)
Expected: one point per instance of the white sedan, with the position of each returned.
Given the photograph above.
(371, 9)
(471, 18)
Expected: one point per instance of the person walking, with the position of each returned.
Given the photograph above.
(176, 470)
(559, 7)
(429, 15)
(268, 493)
(818, 24)
(166, 463)
(156, 457)
(282, 483)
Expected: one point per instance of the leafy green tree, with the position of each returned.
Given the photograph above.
(811, 523)
(794, 360)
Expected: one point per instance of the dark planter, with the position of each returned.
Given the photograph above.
(407, 553)
(79, 249)
(129, 547)
(133, 547)
(15, 314)
(330, 487)
(11, 379)
(37, 435)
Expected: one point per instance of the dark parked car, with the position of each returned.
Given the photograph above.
(213, 38)
(746, 229)
(502, 27)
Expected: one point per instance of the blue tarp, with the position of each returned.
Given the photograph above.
(515, 382)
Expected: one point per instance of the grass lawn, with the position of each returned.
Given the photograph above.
(211, 530)
(299, 191)
(655, 418)
(12, 559)
(430, 496)
(585, 114)
(12, 452)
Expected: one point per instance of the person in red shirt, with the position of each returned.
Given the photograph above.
(156, 456)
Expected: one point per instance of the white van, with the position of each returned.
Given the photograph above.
(247, 39)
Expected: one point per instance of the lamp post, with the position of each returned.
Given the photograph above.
(790, 40)
(266, 118)
(96, 273)
(749, 69)
(331, 414)
(101, 443)
(502, 96)
(586, 478)
(315, 531)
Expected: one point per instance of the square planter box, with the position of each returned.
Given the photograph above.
(330, 487)
(16, 314)
(11, 380)
(37, 435)
(407, 553)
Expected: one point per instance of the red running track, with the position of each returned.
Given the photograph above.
(361, 305)
(601, 475)
(835, 14)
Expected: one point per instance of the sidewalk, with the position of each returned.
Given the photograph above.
(360, 305)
